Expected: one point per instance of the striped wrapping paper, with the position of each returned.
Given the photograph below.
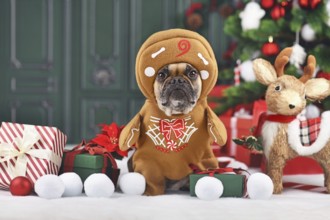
(306, 187)
(49, 142)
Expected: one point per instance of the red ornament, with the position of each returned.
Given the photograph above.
(309, 4)
(21, 186)
(267, 4)
(270, 49)
(277, 12)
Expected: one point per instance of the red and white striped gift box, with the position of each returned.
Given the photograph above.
(29, 150)
(306, 187)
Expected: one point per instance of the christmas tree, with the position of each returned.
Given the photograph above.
(262, 29)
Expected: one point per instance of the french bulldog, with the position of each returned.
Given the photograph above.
(177, 88)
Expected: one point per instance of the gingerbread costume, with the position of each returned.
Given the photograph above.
(166, 146)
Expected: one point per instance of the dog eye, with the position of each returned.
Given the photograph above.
(161, 75)
(192, 74)
(278, 88)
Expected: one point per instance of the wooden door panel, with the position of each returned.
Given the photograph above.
(96, 112)
(37, 111)
(31, 33)
(103, 45)
(33, 65)
(100, 43)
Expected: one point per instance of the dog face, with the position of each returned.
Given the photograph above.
(177, 88)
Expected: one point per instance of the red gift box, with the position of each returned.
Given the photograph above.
(216, 92)
(240, 125)
(29, 150)
(298, 165)
(236, 127)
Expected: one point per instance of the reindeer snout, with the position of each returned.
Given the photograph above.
(291, 106)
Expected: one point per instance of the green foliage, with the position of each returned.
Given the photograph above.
(226, 75)
(297, 20)
(232, 26)
(250, 142)
(244, 93)
(322, 54)
(267, 28)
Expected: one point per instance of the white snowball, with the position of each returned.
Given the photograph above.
(99, 185)
(260, 186)
(132, 183)
(208, 188)
(49, 187)
(247, 72)
(307, 33)
(73, 184)
(312, 111)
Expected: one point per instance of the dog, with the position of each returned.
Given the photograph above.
(173, 131)
(177, 88)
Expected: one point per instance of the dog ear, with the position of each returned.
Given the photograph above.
(264, 71)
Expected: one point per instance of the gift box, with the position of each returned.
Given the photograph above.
(233, 184)
(29, 150)
(216, 93)
(240, 124)
(236, 126)
(298, 165)
(85, 162)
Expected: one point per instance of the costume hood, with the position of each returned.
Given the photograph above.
(175, 46)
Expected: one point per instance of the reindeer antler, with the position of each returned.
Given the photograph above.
(308, 69)
(281, 60)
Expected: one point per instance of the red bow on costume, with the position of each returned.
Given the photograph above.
(177, 126)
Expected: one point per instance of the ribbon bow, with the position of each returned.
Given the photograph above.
(211, 172)
(177, 126)
(20, 148)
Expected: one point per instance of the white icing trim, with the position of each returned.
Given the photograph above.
(155, 118)
(203, 59)
(149, 71)
(215, 139)
(233, 126)
(321, 141)
(132, 135)
(204, 74)
(161, 50)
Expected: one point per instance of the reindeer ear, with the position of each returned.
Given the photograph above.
(264, 70)
(317, 89)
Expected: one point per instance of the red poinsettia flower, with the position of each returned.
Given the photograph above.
(109, 138)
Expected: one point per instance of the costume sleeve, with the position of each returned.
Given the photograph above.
(130, 134)
(216, 128)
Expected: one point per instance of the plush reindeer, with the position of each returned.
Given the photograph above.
(286, 98)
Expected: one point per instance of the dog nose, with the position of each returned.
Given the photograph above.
(178, 80)
(291, 106)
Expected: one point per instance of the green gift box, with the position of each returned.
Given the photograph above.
(85, 164)
(233, 184)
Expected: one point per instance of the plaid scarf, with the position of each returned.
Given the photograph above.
(309, 131)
